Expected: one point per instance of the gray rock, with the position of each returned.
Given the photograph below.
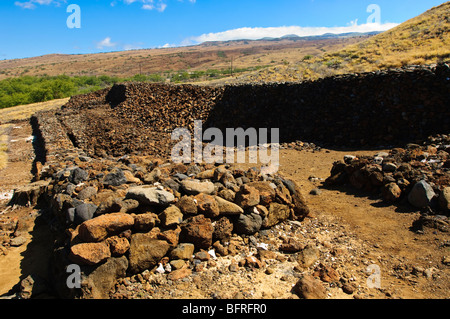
(83, 213)
(421, 195)
(152, 196)
(248, 224)
(78, 175)
(115, 178)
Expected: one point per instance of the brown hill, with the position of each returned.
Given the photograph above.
(216, 55)
(422, 40)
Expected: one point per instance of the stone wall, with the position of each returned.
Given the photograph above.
(371, 110)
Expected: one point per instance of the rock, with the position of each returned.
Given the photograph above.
(389, 167)
(327, 273)
(208, 174)
(18, 241)
(179, 274)
(207, 205)
(178, 264)
(130, 178)
(291, 246)
(32, 286)
(153, 176)
(439, 222)
(89, 253)
(247, 196)
(78, 175)
(145, 222)
(227, 194)
(117, 245)
(171, 216)
(228, 208)
(29, 194)
(301, 210)
(248, 224)
(315, 191)
(197, 230)
(83, 213)
(444, 199)
(183, 251)
(308, 287)
(277, 213)
(97, 283)
(308, 256)
(391, 192)
(194, 187)
(87, 193)
(171, 236)
(202, 255)
(253, 262)
(99, 228)
(187, 205)
(151, 196)
(115, 178)
(146, 252)
(421, 195)
(223, 229)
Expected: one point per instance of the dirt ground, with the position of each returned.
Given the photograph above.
(357, 225)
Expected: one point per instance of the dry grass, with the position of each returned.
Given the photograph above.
(23, 112)
(4, 145)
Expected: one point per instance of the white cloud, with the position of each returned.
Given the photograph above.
(277, 32)
(31, 4)
(106, 43)
(158, 5)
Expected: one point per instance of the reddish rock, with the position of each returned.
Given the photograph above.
(89, 253)
(197, 230)
(247, 196)
(97, 229)
(187, 205)
(179, 274)
(118, 245)
(308, 287)
(207, 205)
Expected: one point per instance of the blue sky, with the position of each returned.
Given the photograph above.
(37, 27)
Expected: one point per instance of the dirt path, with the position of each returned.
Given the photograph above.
(16, 262)
(384, 228)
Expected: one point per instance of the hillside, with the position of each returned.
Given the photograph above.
(246, 54)
(424, 39)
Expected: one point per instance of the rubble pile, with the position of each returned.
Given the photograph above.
(416, 174)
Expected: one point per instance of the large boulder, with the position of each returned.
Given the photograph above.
(146, 252)
(99, 228)
(421, 195)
